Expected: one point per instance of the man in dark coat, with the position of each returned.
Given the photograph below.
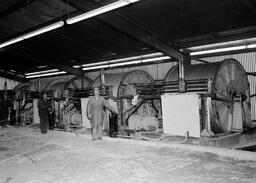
(44, 107)
(95, 113)
(4, 111)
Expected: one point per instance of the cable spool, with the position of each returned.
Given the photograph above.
(229, 81)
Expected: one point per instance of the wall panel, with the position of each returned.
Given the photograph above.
(10, 83)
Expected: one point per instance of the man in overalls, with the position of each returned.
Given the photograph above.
(95, 113)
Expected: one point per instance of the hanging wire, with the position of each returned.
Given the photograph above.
(60, 10)
(22, 20)
(68, 7)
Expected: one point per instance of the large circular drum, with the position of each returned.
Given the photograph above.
(229, 80)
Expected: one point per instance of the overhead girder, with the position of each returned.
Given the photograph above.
(12, 77)
(15, 8)
(250, 5)
(126, 26)
(41, 60)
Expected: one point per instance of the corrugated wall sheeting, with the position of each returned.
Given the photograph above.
(67, 77)
(248, 60)
(10, 83)
(46, 81)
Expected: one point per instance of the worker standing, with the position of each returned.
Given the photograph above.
(95, 113)
(4, 111)
(44, 107)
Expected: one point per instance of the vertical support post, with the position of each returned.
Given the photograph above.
(103, 83)
(209, 85)
(39, 84)
(182, 84)
(82, 79)
(19, 113)
(5, 88)
(237, 117)
(203, 112)
(206, 110)
(36, 119)
(187, 60)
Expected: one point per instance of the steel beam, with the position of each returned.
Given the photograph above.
(15, 8)
(12, 77)
(59, 66)
(251, 6)
(126, 26)
(25, 54)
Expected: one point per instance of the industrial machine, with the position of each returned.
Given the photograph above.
(213, 105)
(122, 91)
(66, 104)
(209, 102)
(227, 97)
(23, 103)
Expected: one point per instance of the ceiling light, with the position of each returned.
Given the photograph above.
(127, 63)
(41, 72)
(47, 74)
(218, 50)
(95, 67)
(33, 33)
(43, 30)
(12, 41)
(125, 59)
(156, 59)
(251, 46)
(100, 10)
(41, 66)
(224, 44)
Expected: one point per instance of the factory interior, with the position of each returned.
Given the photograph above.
(179, 77)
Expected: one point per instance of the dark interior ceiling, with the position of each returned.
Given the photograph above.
(142, 27)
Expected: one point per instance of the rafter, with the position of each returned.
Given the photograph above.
(250, 5)
(25, 54)
(126, 26)
(15, 8)
(12, 77)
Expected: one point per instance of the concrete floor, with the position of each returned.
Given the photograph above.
(69, 158)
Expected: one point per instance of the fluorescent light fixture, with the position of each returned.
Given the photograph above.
(41, 72)
(12, 41)
(47, 74)
(43, 30)
(33, 33)
(125, 59)
(101, 10)
(224, 44)
(218, 50)
(155, 59)
(251, 46)
(127, 63)
(41, 66)
(96, 67)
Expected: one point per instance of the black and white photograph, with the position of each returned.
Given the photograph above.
(127, 91)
